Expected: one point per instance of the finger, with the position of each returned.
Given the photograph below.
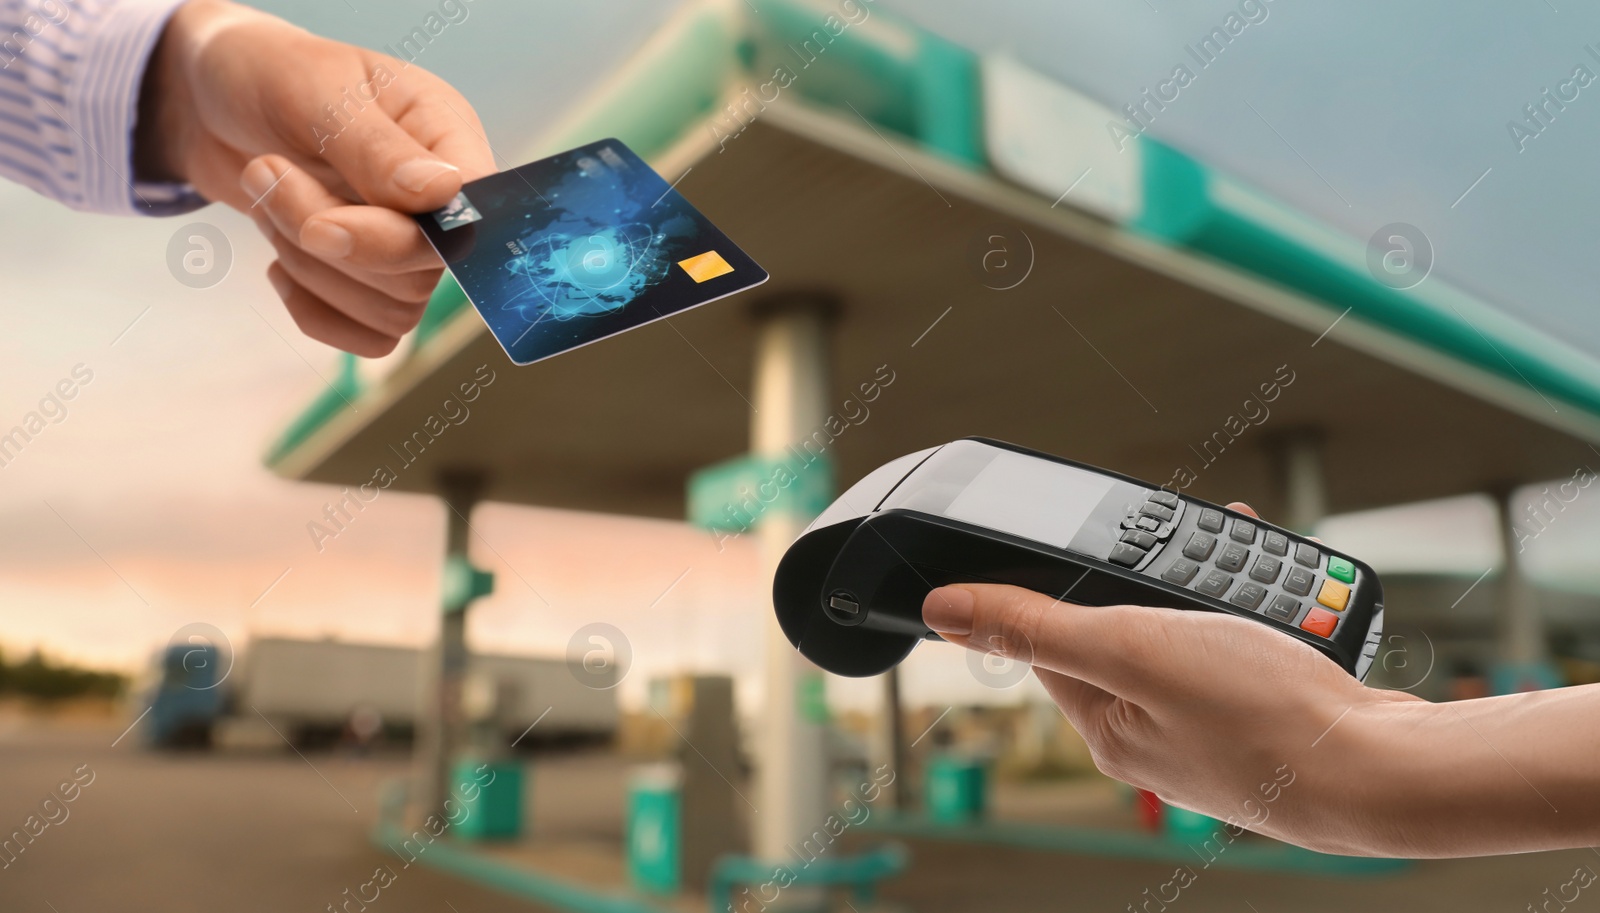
(369, 238)
(261, 178)
(443, 121)
(322, 322)
(363, 303)
(413, 287)
(1114, 648)
(389, 167)
(213, 169)
(418, 285)
(353, 238)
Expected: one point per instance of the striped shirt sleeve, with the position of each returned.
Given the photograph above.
(70, 73)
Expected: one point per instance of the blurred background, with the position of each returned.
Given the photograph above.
(257, 708)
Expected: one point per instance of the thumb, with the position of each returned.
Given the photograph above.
(1109, 647)
(388, 167)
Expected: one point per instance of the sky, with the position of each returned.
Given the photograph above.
(147, 507)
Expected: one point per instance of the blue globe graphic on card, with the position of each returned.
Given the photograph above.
(588, 275)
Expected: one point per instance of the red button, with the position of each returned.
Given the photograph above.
(1320, 623)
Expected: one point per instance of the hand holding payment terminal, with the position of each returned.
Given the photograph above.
(849, 591)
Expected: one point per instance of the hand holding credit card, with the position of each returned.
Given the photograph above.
(580, 246)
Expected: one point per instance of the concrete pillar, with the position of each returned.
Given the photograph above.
(1519, 628)
(1522, 652)
(443, 725)
(1305, 486)
(791, 398)
(710, 825)
(899, 796)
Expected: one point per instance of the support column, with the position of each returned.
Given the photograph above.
(1522, 652)
(791, 396)
(443, 728)
(892, 736)
(1305, 486)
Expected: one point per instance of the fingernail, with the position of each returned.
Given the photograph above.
(948, 610)
(257, 178)
(326, 239)
(419, 173)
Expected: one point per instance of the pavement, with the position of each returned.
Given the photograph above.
(274, 831)
(196, 833)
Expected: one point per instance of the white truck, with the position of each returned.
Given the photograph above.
(319, 692)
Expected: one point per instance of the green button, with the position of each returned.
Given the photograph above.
(1340, 569)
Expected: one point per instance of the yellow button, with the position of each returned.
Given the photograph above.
(1334, 595)
(708, 265)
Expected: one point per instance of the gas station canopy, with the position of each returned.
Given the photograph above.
(981, 241)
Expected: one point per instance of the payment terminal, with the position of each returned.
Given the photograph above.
(849, 591)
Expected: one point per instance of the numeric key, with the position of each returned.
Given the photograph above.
(1232, 557)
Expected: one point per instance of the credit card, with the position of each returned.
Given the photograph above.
(580, 246)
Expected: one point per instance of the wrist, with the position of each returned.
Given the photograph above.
(166, 106)
(169, 120)
(1396, 777)
(1512, 773)
(1359, 784)
(1470, 778)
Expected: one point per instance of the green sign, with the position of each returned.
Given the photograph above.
(734, 495)
(464, 583)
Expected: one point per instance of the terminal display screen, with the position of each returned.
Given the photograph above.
(1004, 491)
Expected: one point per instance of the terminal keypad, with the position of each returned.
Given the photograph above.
(1261, 570)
